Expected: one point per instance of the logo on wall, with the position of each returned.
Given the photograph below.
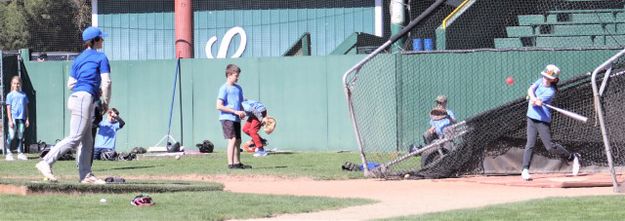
(225, 44)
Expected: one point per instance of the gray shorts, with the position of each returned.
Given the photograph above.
(231, 129)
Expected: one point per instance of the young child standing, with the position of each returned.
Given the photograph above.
(230, 114)
(107, 133)
(539, 120)
(17, 107)
(257, 117)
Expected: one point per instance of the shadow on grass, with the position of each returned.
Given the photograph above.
(131, 168)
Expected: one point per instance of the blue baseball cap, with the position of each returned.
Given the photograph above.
(91, 33)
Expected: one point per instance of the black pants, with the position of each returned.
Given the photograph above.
(543, 130)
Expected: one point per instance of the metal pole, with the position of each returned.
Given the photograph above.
(597, 104)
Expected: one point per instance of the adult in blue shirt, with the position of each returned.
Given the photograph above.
(89, 81)
(539, 120)
(107, 133)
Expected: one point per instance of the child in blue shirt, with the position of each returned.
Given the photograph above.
(440, 118)
(17, 109)
(107, 133)
(539, 120)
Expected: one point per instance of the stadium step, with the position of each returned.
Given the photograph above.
(575, 30)
(565, 42)
(531, 19)
(519, 31)
(582, 17)
(508, 43)
(610, 41)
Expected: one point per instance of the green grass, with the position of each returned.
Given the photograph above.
(152, 186)
(213, 205)
(204, 205)
(572, 208)
(316, 165)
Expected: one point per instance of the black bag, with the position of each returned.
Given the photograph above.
(138, 150)
(108, 155)
(126, 156)
(46, 148)
(205, 147)
(173, 147)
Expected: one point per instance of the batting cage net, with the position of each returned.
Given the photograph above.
(394, 98)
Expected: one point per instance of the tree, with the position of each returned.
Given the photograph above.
(14, 34)
(43, 25)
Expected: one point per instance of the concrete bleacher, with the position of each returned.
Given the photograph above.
(567, 29)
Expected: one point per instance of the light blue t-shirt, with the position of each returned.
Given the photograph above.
(18, 101)
(440, 125)
(545, 94)
(232, 96)
(87, 68)
(107, 133)
(254, 108)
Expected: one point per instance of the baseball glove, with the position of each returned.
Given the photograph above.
(438, 113)
(270, 124)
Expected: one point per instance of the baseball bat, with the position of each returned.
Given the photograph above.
(568, 113)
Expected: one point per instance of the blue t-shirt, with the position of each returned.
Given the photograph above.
(87, 68)
(545, 94)
(106, 134)
(254, 108)
(440, 125)
(232, 96)
(18, 101)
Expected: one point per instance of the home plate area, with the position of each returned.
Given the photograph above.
(552, 180)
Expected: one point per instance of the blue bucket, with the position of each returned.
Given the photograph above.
(428, 44)
(417, 44)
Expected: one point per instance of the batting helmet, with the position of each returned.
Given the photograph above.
(551, 72)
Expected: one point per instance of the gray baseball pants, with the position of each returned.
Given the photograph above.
(81, 106)
(543, 130)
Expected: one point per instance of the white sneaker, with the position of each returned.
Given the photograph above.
(260, 153)
(576, 164)
(22, 156)
(526, 175)
(91, 179)
(9, 157)
(45, 169)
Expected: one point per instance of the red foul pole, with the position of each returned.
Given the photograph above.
(184, 28)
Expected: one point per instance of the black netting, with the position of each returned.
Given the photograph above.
(391, 95)
(496, 131)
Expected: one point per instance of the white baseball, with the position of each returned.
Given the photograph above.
(177, 157)
(102, 200)
(407, 176)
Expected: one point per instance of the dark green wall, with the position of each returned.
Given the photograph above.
(306, 94)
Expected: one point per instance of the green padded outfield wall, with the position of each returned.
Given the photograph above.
(305, 94)
(139, 31)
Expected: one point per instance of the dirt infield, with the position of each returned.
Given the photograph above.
(403, 197)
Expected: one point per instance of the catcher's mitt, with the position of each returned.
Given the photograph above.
(438, 113)
(142, 200)
(270, 124)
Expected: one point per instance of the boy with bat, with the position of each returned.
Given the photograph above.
(541, 94)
